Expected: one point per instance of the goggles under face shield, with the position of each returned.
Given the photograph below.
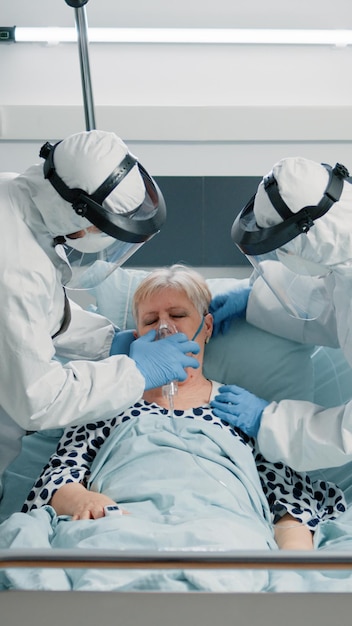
(295, 282)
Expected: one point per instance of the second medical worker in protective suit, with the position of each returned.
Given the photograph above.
(69, 222)
(297, 233)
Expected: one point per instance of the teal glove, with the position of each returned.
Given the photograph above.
(164, 360)
(240, 408)
(121, 342)
(227, 306)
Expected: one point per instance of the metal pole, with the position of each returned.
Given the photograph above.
(82, 35)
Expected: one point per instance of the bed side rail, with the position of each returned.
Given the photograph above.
(44, 558)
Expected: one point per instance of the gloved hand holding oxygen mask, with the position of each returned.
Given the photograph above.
(166, 361)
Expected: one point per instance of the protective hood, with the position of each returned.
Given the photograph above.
(84, 161)
(90, 185)
(5, 176)
(302, 183)
(296, 230)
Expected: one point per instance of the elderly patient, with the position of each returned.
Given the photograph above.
(184, 479)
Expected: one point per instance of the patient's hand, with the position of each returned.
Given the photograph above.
(290, 534)
(75, 500)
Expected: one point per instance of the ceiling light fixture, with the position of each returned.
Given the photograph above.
(234, 36)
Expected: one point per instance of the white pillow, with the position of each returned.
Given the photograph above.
(114, 296)
(269, 366)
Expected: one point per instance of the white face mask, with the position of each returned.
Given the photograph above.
(91, 242)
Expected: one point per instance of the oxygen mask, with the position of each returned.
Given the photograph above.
(170, 389)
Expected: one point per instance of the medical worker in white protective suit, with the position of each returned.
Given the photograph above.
(69, 222)
(297, 233)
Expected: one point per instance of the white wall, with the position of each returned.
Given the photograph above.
(183, 109)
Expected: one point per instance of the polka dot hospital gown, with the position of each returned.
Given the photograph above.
(285, 489)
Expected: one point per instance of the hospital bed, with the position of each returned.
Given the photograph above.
(269, 366)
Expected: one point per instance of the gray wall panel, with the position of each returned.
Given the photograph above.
(200, 213)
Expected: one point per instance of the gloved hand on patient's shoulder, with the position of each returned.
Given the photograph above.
(240, 408)
(227, 306)
(163, 361)
(121, 342)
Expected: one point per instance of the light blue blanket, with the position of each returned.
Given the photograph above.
(187, 485)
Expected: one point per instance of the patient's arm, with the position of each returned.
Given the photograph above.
(305, 503)
(70, 463)
(74, 499)
(291, 534)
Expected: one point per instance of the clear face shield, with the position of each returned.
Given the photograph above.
(89, 269)
(114, 236)
(297, 283)
(302, 295)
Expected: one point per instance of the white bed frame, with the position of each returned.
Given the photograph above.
(55, 608)
(58, 608)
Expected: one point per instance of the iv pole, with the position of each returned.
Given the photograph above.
(82, 34)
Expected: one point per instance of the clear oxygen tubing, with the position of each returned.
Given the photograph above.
(169, 391)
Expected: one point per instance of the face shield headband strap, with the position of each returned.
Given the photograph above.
(331, 195)
(116, 225)
(73, 195)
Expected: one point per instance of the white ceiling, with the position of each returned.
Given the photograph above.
(183, 13)
(196, 108)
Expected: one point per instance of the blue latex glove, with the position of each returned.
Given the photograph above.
(121, 342)
(227, 306)
(240, 408)
(164, 360)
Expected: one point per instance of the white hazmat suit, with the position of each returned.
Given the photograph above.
(37, 389)
(302, 434)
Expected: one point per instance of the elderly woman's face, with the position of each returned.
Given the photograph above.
(174, 307)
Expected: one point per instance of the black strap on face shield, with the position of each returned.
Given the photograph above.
(126, 227)
(253, 240)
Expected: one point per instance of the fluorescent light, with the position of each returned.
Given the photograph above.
(184, 36)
